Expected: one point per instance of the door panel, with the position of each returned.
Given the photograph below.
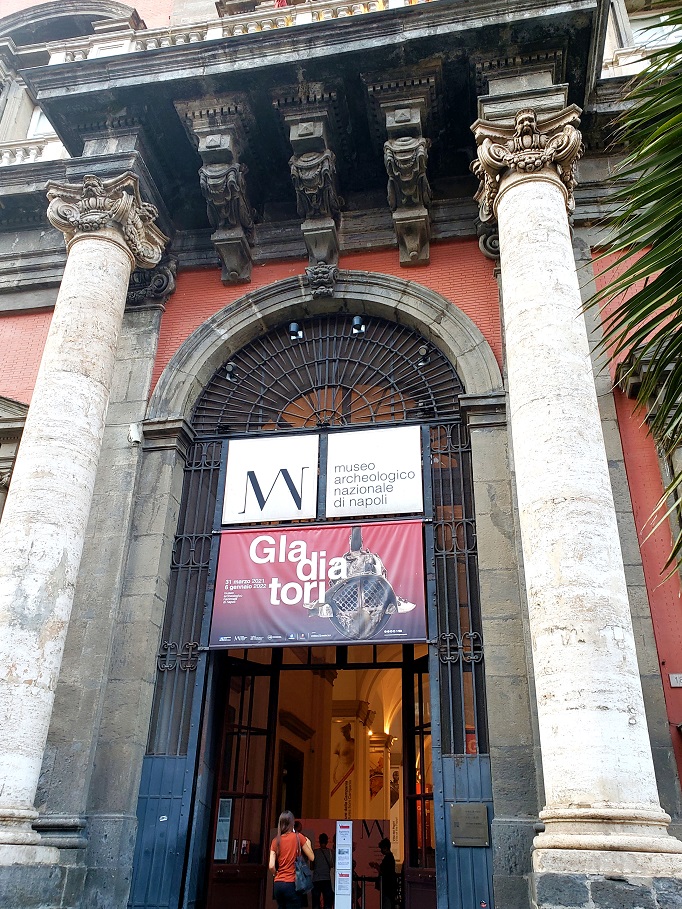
(239, 847)
(419, 868)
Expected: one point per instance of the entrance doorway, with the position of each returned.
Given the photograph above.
(329, 733)
(214, 774)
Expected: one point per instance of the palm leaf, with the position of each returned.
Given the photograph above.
(644, 251)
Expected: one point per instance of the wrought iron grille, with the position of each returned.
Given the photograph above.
(460, 644)
(331, 378)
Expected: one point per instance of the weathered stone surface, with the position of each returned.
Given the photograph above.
(583, 646)
(561, 890)
(108, 229)
(668, 893)
(615, 894)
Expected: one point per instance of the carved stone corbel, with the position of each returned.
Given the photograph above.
(409, 196)
(527, 148)
(401, 107)
(313, 174)
(218, 129)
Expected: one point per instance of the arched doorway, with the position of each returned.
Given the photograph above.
(335, 376)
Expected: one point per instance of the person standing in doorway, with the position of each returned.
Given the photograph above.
(283, 852)
(322, 874)
(387, 882)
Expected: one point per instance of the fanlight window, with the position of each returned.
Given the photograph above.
(326, 374)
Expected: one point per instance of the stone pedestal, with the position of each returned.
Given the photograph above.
(602, 814)
(109, 230)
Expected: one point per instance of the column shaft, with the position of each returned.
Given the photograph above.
(109, 229)
(43, 525)
(600, 786)
(590, 704)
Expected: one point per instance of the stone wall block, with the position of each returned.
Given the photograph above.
(494, 540)
(508, 712)
(513, 769)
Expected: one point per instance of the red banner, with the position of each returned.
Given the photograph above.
(331, 584)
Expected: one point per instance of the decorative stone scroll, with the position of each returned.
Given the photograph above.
(526, 148)
(96, 204)
(321, 279)
(151, 287)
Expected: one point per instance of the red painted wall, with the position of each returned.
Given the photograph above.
(646, 488)
(22, 338)
(458, 271)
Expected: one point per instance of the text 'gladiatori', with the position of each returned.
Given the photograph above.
(312, 569)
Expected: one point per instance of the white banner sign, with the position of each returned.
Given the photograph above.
(271, 479)
(374, 471)
(343, 865)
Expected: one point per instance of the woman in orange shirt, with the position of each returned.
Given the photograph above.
(283, 852)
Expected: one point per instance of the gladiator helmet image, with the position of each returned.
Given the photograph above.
(363, 600)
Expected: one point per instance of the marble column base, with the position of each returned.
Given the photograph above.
(27, 855)
(608, 862)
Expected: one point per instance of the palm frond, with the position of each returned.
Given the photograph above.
(641, 302)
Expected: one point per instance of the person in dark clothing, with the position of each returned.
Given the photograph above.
(322, 874)
(298, 829)
(387, 882)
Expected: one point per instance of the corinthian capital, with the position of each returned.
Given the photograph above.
(94, 204)
(526, 148)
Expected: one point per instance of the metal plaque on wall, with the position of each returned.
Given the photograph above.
(469, 824)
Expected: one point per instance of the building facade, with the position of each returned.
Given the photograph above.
(316, 490)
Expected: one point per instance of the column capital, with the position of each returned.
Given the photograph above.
(527, 149)
(96, 205)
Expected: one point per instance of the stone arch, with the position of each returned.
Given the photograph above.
(368, 293)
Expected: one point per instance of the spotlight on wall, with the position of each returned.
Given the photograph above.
(424, 357)
(295, 332)
(229, 372)
(358, 326)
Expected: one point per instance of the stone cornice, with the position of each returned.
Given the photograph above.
(333, 38)
(484, 411)
(174, 434)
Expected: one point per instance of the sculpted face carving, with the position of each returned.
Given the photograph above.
(313, 175)
(406, 159)
(527, 148)
(227, 205)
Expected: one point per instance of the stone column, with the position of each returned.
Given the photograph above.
(602, 812)
(108, 231)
